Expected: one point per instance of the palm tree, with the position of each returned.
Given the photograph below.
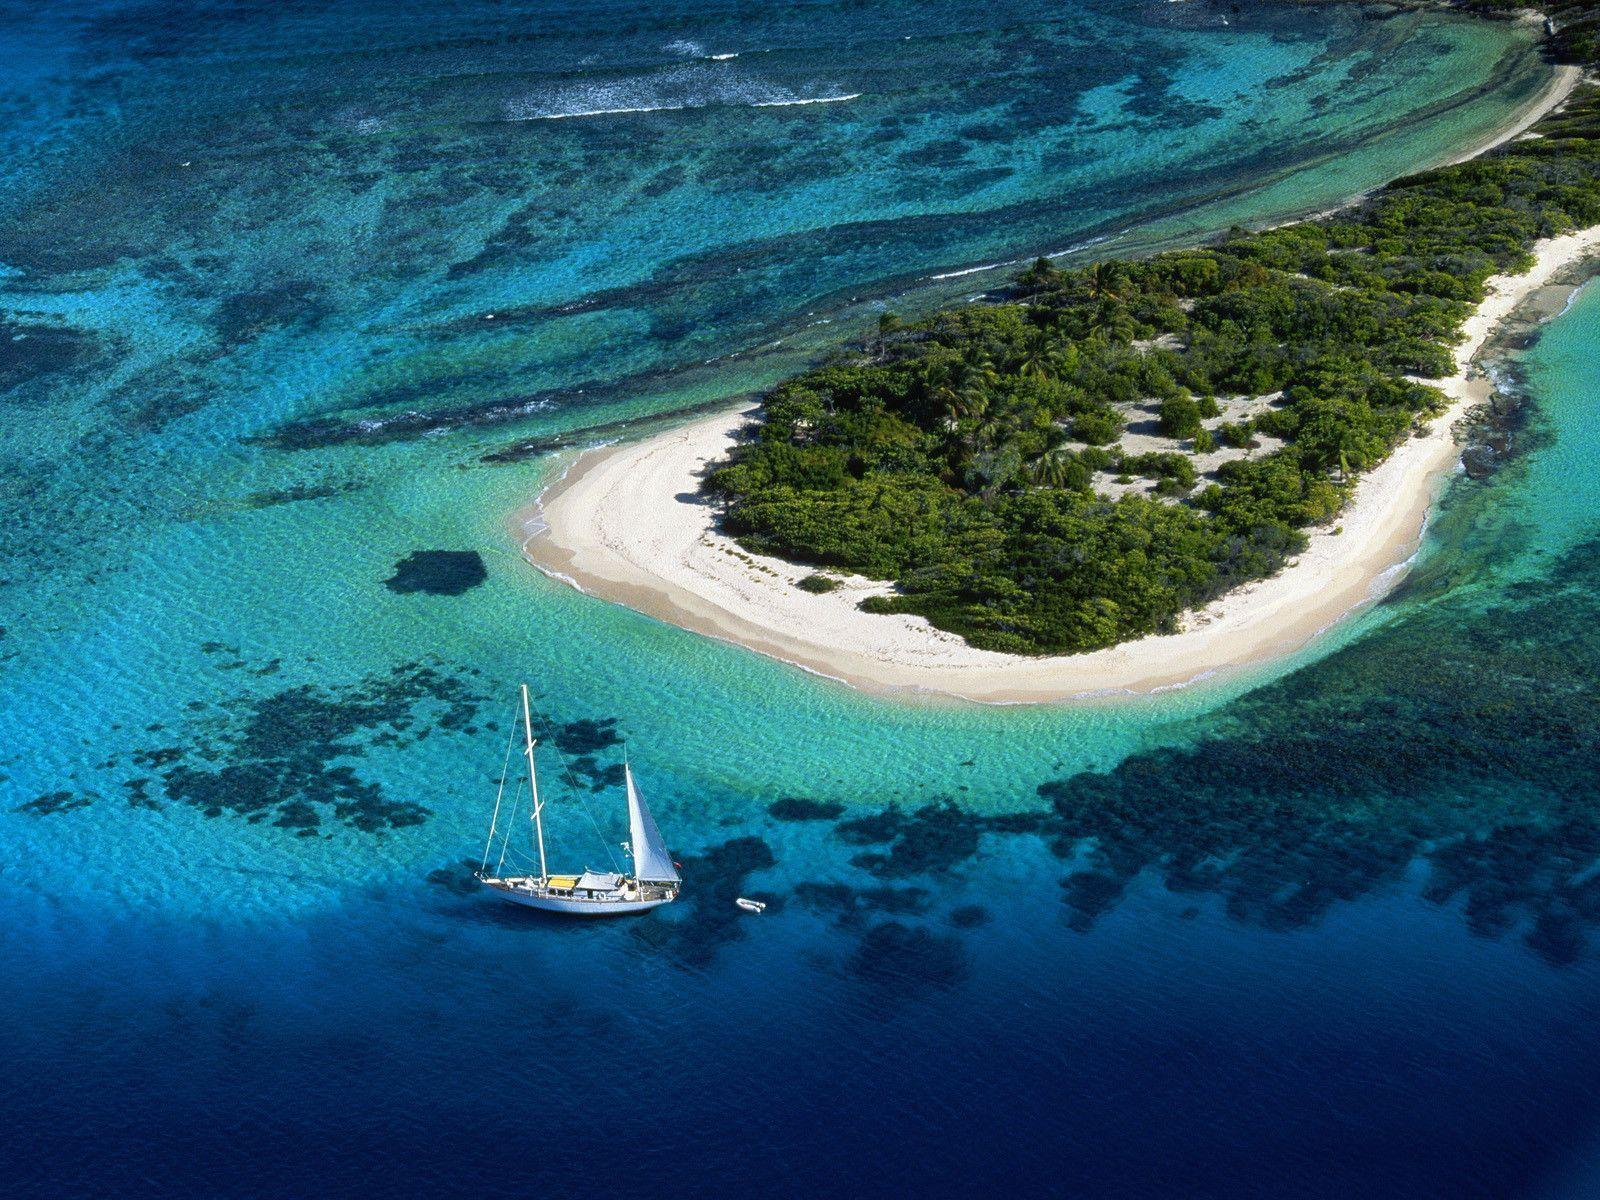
(1036, 359)
(961, 387)
(1107, 280)
(1052, 469)
(977, 367)
(943, 387)
(1111, 322)
(888, 323)
(973, 402)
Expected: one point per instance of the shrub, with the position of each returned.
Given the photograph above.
(1180, 416)
(1097, 429)
(1096, 458)
(1238, 435)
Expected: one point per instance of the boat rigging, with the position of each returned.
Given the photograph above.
(653, 882)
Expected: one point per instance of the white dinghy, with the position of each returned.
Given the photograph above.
(654, 881)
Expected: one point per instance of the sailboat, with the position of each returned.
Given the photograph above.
(654, 881)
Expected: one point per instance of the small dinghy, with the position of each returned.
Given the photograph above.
(750, 905)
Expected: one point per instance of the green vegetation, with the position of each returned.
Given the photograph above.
(818, 584)
(1180, 416)
(1239, 435)
(1577, 25)
(958, 455)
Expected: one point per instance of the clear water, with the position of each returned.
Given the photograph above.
(1228, 937)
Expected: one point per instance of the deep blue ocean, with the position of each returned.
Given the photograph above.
(291, 293)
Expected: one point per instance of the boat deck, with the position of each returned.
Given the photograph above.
(564, 887)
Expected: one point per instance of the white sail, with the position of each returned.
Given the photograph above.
(650, 858)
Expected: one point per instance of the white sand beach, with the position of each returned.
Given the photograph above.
(625, 524)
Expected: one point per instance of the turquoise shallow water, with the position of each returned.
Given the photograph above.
(1331, 930)
(253, 366)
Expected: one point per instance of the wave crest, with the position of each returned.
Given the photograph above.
(674, 90)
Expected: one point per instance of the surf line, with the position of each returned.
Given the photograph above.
(650, 108)
(814, 100)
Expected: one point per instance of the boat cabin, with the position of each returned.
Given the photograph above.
(593, 882)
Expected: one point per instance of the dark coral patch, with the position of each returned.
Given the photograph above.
(139, 794)
(458, 879)
(969, 916)
(601, 776)
(798, 808)
(279, 761)
(826, 897)
(850, 906)
(438, 572)
(944, 153)
(587, 736)
(931, 840)
(54, 802)
(28, 352)
(707, 916)
(580, 743)
(870, 830)
(896, 955)
(1089, 894)
(156, 408)
(246, 315)
(300, 492)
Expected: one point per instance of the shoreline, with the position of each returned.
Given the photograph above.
(623, 523)
(1564, 78)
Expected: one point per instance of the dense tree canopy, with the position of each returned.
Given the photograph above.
(957, 455)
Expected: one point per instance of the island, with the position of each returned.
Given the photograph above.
(1120, 477)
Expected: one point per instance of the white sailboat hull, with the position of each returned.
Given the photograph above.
(653, 881)
(615, 904)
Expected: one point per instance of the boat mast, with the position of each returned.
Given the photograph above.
(533, 786)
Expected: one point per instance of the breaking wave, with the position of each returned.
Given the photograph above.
(1075, 248)
(809, 100)
(595, 112)
(685, 87)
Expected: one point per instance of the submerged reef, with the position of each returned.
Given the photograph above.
(54, 802)
(438, 572)
(1460, 738)
(895, 956)
(284, 759)
(31, 352)
(799, 808)
(705, 918)
(851, 905)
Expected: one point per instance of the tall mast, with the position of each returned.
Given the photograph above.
(533, 787)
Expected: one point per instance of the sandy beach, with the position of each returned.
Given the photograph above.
(625, 523)
(1563, 78)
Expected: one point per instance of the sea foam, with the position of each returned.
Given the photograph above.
(672, 90)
